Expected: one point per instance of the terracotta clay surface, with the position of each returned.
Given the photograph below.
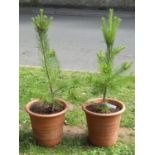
(103, 128)
(47, 128)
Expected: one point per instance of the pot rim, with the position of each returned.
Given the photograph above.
(28, 105)
(98, 100)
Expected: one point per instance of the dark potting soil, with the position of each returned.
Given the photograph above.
(97, 107)
(45, 108)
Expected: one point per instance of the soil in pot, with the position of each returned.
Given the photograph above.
(46, 108)
(103, 108)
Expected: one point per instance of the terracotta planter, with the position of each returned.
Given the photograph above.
(103, 128)
(47, 128)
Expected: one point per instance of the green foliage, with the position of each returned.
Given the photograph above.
(41, 22)
(50, 62)
(108, 76)
(33, 84)
(105, 108)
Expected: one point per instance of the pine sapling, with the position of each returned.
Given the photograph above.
(108, 74)
(50, 63)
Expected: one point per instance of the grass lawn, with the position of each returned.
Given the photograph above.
(33, 84)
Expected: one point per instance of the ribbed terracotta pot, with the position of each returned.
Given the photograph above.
(47, 128)
(103, 128)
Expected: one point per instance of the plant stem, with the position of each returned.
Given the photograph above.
(43, 42)
(109, 49)
(108, 57)
(104, 93)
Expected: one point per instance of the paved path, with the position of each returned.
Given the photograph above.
(76, 36)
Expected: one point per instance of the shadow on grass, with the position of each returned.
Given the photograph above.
(71, 145)
(76, 141)
(26, 139)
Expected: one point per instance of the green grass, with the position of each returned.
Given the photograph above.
(73, 146)
(33, 84)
